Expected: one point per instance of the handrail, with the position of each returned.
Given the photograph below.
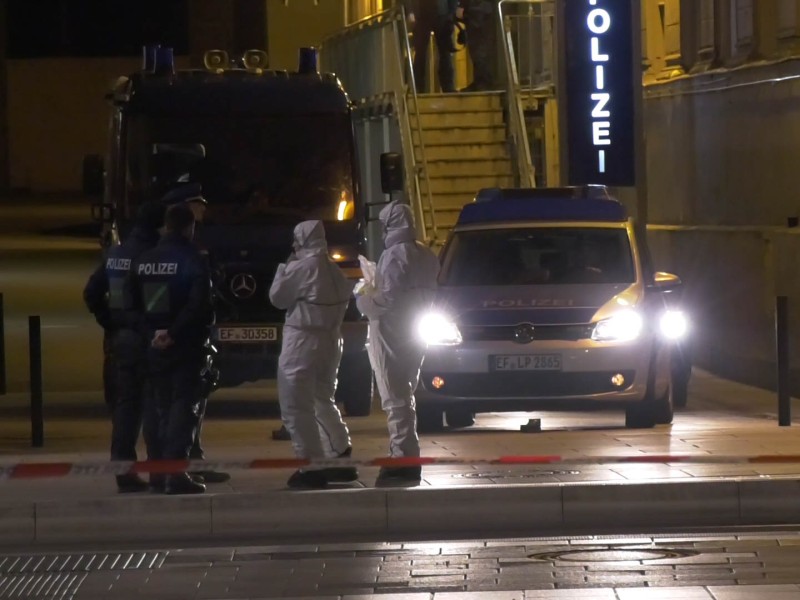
(519, 131)
(404, 94)
(409, 64)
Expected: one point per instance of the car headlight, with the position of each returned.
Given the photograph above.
(674, 325)
(625, 326)
(436, 329)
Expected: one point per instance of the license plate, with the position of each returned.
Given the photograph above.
(525, 362)
(247, 334)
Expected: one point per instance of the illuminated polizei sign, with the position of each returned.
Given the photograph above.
(599, 89)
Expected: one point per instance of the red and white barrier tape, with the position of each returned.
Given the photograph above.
(92, 468)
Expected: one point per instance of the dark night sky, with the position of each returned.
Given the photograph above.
(51, 28)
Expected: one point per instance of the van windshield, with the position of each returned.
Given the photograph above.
(255, 169)
(538, 256)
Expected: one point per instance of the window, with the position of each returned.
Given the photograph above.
(53, 28)
(538, 256)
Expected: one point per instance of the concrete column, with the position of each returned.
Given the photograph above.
(211, 27)
(5, 178)
(249, 26)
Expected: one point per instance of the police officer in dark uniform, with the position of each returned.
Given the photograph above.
(169, 289)
(481, 19)
(437, 17)
(191, 194)
(124, 348)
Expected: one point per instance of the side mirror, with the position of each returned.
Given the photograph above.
(391, 172)
(93, 175)
(666, 282)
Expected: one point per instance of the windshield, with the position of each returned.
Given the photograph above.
(538, 256)
(253, 169)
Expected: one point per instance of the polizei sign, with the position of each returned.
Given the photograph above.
(599, 89)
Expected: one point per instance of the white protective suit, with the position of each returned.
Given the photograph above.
(405, 288)
(315, 293)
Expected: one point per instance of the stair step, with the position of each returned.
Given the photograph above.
(495, 151)
(465, 185)
(443, 137)
(450, 120)
(437, 103)
(469, 168)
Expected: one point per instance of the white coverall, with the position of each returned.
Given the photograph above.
(405, 288)
(315, 293)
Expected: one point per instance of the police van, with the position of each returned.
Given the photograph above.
(268, 149)
(548, 300)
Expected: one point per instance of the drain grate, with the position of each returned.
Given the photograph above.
(60, 563)
(46, 586)
(594, 555)
(514, 474)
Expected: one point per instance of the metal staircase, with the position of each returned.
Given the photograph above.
(465, 146)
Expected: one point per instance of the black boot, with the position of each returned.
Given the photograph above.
(342, 474)
(183, 484)
(308, 480)
(130, 483)
(281, 435)
(399, 475)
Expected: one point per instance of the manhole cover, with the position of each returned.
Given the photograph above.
(614, 555)
(514, 474)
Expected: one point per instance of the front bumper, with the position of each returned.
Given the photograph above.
(584, 380)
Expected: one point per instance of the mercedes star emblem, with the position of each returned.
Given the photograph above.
(523, 334)
(243, 285)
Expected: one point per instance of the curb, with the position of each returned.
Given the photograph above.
(431, 511)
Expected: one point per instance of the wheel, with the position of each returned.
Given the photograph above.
(459, 417)
(651, 411)
(429, 419)
(681, 368)
(354, 384)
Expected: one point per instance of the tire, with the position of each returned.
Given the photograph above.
(681, 368)
(651, 411)
(354, 385)
(429, 419)
(459, 417)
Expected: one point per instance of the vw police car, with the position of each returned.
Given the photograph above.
(548, 301)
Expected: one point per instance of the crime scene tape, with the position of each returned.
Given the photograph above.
(31, 470)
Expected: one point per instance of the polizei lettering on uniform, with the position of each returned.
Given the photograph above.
(158, 268)
(118, 264)
(599, 22)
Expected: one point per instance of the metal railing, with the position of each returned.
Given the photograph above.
(372, 59)
(529, 57)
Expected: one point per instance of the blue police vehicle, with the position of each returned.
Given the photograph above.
(548, 300)
(270, 149)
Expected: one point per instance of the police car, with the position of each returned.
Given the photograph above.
(548, 301)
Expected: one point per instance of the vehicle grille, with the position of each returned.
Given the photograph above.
(505, 333)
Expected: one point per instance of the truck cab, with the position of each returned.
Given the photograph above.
(270, 149)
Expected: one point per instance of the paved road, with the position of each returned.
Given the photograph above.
(752, 565)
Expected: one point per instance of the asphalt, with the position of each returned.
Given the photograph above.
(725, 424)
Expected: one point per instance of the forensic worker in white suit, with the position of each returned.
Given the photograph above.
(315, 294)
(404, 289)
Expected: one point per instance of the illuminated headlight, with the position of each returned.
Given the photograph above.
(674, 325)
(622, 327)
(436, 329)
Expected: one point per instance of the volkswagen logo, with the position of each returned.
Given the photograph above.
(243, 285)
(523, 334)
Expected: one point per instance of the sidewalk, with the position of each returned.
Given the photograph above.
(724, 419)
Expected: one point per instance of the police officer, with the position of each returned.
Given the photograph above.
(125, 358)
(437, 17)
(169, 290)
(191, 194)
(481, 19)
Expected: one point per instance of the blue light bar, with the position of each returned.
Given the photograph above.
(308, 60)
(541, 204)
